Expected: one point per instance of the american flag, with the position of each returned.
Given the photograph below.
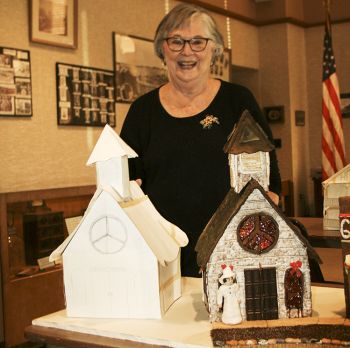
(333, 149)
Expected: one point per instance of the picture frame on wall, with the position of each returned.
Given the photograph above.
(221, 67)
(54, 22)
(274, 114)
(137, 69)
(15, 83)
(85, 96)
(345, 104)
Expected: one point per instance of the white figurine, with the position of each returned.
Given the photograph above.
(228, 292)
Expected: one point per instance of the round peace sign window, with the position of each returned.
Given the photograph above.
(108, 235)
(257, 233)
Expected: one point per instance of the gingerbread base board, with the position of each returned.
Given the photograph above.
(336, 334)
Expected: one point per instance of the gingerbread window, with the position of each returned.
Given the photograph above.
(257, 233)
(294, 288)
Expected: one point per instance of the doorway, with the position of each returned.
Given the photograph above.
(261, 293)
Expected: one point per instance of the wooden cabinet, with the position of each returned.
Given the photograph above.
(28, 292)
(43, 232)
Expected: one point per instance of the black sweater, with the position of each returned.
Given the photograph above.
(182, 165)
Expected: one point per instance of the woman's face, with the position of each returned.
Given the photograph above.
(187, 65)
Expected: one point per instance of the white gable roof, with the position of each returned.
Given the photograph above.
(110, 145)
(342, 176)
(163, 238)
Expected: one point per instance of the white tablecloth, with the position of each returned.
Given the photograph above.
(186, 322)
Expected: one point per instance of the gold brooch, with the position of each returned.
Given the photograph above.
(208, 121)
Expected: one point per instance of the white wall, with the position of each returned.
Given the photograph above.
(37, 153)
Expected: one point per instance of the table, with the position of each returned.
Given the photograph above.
(184, 325)
(317, 234)
(327, 244)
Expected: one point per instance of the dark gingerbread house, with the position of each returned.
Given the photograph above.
(269, 254)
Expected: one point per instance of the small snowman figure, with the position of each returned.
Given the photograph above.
(227, 294)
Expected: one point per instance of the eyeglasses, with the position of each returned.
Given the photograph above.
(177, 44)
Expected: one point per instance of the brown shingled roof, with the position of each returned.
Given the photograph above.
(247, 136)
(225, 213)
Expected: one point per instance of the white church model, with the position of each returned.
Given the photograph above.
(123, 259)
(338, 185)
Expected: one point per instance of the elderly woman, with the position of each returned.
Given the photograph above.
(180, 128)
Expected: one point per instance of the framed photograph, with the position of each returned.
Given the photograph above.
(15, 82)
(85, 96)
(345, 104)
(137, 68)
(274, 114)
(54, 22)
(221, 68)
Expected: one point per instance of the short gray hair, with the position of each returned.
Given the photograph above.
(179, 17)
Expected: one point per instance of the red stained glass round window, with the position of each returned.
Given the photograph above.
(257, 233)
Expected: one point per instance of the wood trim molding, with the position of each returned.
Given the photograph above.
(69, 339)
(23, 196)
(297, 22)
(221, 11)
(259, 23)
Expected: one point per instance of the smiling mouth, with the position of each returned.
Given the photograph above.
(187, 65)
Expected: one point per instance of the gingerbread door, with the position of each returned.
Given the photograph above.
(261, 293)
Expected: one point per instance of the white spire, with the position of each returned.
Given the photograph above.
(109, 145)
(111, 155)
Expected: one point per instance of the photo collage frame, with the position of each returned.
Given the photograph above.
(85, 96)
(15, 82)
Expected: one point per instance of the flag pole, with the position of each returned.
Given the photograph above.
(327, 7)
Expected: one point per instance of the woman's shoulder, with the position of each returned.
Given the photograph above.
(230, 87)
(147, 98)
(143, 107)
(237, 95)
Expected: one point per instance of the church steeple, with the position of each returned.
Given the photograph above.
(111, 155)
(248, 150)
